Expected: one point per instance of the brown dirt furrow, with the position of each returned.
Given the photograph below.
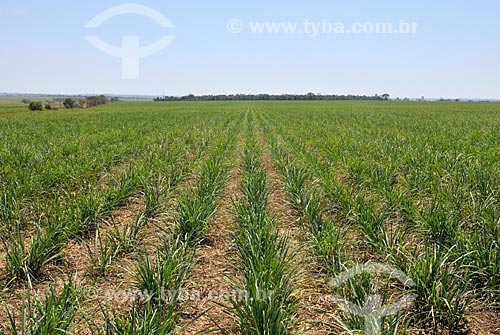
(483, 321)
(316, 309)
(208, 286)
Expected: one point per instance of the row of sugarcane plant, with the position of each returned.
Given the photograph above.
(343, 224)
(266, 302)
(159, 276)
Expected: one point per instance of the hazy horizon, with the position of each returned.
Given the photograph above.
(139, 96)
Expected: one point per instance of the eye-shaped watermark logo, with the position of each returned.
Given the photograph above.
(373, 311)
(130, 51)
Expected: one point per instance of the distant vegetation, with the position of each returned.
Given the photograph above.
(69, 102)
(241, 97)
(35, 106)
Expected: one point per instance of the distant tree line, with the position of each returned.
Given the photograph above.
(70, 102)
(238, 97)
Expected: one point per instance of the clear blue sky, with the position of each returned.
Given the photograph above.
(455, 52)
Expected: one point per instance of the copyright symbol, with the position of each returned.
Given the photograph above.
(90, 292)
(234, 26)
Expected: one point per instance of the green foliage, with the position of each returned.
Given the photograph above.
(25, 257)
(55, 314)
(35, 106)
(147, 319)
(442, 289)
(125, 240)
(101, 255)
(197, 207)
(155, 197)
(93, 101)
(161, 279)
(69, 103)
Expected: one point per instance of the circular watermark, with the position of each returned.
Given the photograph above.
(373, 311)
(90, 292)
(235, 26)
(130, 52)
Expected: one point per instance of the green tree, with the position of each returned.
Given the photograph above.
(69, 103)
(35, 106)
